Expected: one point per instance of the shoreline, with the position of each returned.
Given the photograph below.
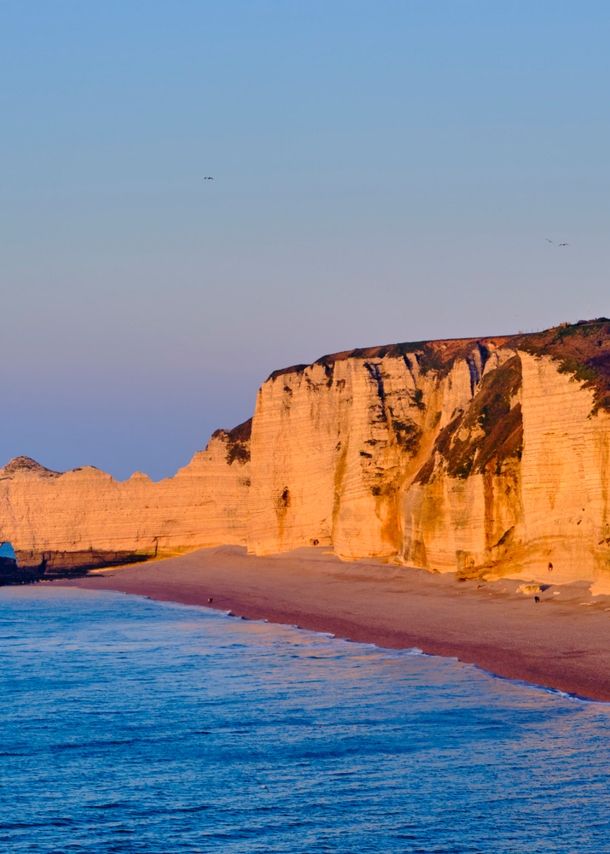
(562, 643)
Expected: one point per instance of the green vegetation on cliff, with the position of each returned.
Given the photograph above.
(582, 349)
(489, 432)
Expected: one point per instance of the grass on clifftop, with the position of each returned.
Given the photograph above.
(238, 442)
(582, 349)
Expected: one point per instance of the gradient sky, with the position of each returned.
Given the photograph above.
(383, 171)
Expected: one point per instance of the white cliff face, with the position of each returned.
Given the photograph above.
(565, 477)
(495, 466)
(337, 445)
(462, 510)
(86, 510)
(479, 457)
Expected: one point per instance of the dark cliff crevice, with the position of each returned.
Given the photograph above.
(375, 374)
(476, 360)
(487, 434)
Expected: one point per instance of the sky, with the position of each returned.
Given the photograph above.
(383, 171)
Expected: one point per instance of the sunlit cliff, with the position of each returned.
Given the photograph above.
(482, 456)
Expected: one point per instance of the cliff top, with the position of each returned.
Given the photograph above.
(237, 441)
(26, 465)
(431, 355)
(582, 348)
(18, 465)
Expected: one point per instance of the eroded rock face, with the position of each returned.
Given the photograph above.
(337, 445)
(482, 457)
(85, 517)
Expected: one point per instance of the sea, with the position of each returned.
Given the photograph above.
(129, 725)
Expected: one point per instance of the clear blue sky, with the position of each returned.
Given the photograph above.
(383, 171)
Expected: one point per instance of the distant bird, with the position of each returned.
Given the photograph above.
(564, 244)
(547, 240)
(208, 178)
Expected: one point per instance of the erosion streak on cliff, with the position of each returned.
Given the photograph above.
(483, 457)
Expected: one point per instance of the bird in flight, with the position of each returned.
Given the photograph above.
(564, 244)
(208, 178)
(547, 240)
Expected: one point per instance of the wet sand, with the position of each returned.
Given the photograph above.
(562, 642)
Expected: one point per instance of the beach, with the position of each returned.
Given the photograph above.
(561, 642)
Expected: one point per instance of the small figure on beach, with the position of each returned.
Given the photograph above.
(210, 599)
(536, 598)
(550, 566)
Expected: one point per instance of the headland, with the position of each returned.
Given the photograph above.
(487, 457)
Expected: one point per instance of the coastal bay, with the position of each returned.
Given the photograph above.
(560, 642)
(132, 722)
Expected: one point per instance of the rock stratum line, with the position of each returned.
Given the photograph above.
(485, 457)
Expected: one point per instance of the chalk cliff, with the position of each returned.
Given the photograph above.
(84, 517)
(483, 457)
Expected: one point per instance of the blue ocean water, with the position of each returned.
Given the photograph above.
(129, 725)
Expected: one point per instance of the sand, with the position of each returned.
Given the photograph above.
(562, 642)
